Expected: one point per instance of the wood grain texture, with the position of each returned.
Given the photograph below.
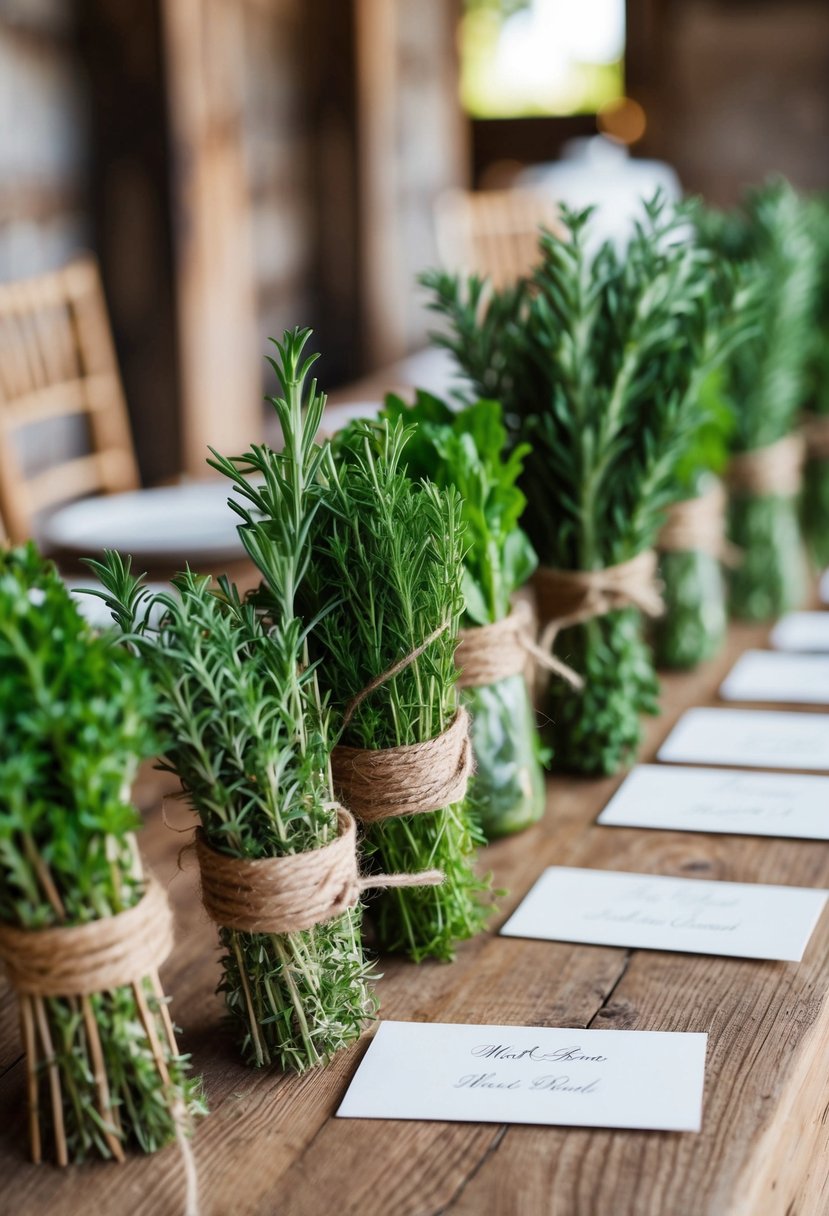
(271, 1144)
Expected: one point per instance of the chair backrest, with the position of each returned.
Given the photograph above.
(57, 364)
(493, 233)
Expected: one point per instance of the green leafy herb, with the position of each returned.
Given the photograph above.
(768, 239)
(246, 732)
(74, 714)
(815, 503)
(599, 363)
(468, 450)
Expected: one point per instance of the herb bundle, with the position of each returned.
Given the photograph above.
(74, 713)
(692, 546)
(769, 240)
(815, 504)
(246, 732)
(599, 360)
(467, 450)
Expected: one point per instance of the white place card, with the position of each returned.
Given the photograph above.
(643, 1079)
(721, 800)
(770, 675)
(652, 912)
(750, 738)
(802, 631)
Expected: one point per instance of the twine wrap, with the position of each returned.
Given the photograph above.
(698, 525)
(383, 783)
(288, 894)
(571, 597)
(489, 653)
(815, 429)
(775, 470)
(78, 960)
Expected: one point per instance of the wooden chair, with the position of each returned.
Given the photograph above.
(57, 362)
(493, 233)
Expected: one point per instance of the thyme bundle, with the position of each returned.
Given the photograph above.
(467, 450)
(599, 360)
(768, 239)
(248, 735)
(74, 715)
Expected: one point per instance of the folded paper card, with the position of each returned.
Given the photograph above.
(750, 738)
(721, 800)
(650, 1080)
(695, 916)
(802, 631)
(770, 675)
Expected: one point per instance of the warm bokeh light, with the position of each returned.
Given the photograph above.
(623, 120)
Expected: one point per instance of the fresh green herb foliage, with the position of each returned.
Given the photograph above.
(247, 733)
(243, 730)
(768, 238)
(390, 554)
(468, 449)
(74, 714)
(693, 628)
(815, 505)
(600, 363)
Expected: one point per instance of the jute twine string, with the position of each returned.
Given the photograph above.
(698, 525)
(288, 894)
(571, 597)
(73, 962)
(489, 653)
(772, 470)
(383, 783)
(815, 429)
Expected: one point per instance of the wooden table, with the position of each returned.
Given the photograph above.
(271, 1145)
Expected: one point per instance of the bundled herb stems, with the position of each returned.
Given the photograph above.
(82, 928)
(247, 733)
(769, 240)
(380, 588)
(467, 449)
(600, 360)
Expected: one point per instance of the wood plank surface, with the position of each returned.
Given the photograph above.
(270, 1144)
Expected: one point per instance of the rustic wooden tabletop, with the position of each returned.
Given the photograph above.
(271, 1144)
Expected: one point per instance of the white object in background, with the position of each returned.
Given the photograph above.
(824, 587)
(802, 631)
(94, 610)
(651, 912)
(771, 675)
(167, 525)
(750, 738)
(721, 800)
(597, 172)
(646, 1079)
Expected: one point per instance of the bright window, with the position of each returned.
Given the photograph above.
(541, 57)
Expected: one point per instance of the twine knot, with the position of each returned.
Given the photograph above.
(493, 652)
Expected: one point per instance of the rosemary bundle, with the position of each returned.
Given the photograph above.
(247, 734)
(467, 450)
(600, 361)
(815, 502)
(768, 238)
(692, 546)
(74, 714)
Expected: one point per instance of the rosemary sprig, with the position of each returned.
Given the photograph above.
(815, 503)
(599, 362)
(74, 714)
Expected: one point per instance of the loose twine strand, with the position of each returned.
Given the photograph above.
(295, 892)
(572, 597)
(815, 430)
(698, 525)
(391, 672)
(772, 470)
(489, 653)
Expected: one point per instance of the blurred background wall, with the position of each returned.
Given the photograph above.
(239, 166)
